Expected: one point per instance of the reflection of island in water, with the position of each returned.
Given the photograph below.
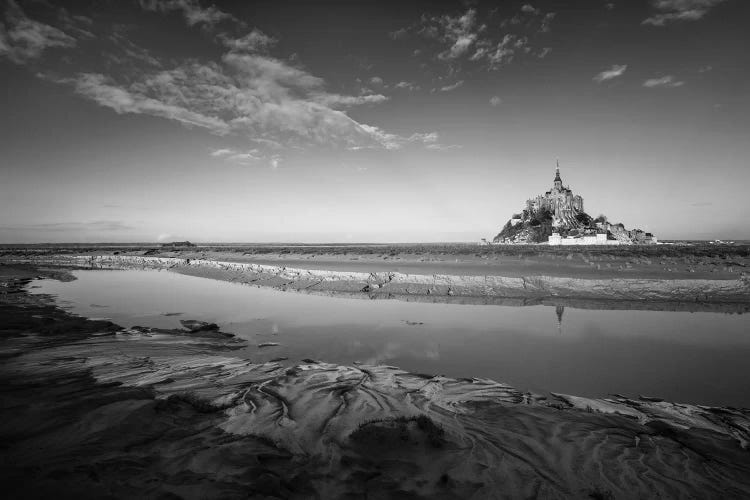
(559, 310)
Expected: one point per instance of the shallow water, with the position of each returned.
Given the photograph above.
(679, 356)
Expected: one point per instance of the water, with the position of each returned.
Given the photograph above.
(680, 356)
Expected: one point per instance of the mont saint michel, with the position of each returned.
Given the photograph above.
(557, 217)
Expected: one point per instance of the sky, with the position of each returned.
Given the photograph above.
(368, 121)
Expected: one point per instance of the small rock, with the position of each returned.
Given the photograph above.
(198, 326)
(268, 344)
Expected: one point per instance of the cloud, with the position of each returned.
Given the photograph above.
(407, 85)
(131, 51)
(442, 147)
(665, 81)
(255, 41)
(336, 100)
(251, 157)
(191, 10)
(270, 102)
(376, 80)
(24, 39)
(104, 92)
(615, 71)
(262, 98)
(222, 152)
(399, 34)
(463, 38)
(451, 87)
(247, 158)
(679, 10)
(495, 101)
(393, 141)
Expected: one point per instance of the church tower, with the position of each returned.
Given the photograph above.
(558, 180)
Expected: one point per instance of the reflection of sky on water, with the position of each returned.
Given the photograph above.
(690, 357)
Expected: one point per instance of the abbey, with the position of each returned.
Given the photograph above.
(560, 201)
(557, 218)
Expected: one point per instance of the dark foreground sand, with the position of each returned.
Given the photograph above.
(90, 410)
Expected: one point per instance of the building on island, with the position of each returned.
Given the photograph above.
(560, 201)
(557, 217)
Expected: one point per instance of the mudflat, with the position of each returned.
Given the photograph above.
(94, 410)
(669, 261)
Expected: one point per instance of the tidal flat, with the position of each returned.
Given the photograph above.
(203, 391)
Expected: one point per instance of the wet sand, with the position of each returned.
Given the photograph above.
(93, 410)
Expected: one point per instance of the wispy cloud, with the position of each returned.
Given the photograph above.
(136, 99)
(615, 71)
(22, 39)
(264, 99)
(407, 85)
(453, 86)
(465, 39)
(665, 81)
(394, 141)
(222, 152)
(679, 10)
(246, 158)
(442, 147)
(255, 41)
(130, 51)
(191, 10)
(252, 157)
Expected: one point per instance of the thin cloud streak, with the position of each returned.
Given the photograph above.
(670, 11)
(614, 72)
(665, 81)
(191, 10)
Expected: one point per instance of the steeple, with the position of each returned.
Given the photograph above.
(558, 180)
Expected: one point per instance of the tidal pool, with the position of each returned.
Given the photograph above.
(685, 357)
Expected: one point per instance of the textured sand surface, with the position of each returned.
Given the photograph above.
(92, 410)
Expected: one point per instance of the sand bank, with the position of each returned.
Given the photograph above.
(439, 287)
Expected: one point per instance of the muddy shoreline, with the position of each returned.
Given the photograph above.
(687, 294)
(94, 410)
